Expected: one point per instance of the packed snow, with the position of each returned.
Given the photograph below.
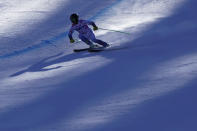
(146, 80)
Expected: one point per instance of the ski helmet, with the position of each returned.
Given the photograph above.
(74, 17)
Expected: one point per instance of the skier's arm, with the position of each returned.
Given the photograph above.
(70, 35)
(91, 23)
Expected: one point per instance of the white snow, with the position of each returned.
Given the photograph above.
(148, 82)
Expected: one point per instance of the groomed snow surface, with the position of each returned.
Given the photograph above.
(146, 82)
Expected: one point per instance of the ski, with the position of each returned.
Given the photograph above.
(80, 50)
(98, 49)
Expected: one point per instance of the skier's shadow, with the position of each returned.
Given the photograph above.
(40, 66)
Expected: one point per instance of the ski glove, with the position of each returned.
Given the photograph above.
(95, 28)
(72, 40)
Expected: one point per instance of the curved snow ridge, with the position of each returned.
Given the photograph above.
(30, 75)
(50, 74)
(167, 77)
(60, 36)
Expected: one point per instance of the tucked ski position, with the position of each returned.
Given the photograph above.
(85, 33)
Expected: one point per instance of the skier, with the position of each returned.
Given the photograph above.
(85, 33)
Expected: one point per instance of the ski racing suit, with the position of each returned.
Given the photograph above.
(85, 33)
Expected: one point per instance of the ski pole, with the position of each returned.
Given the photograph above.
(115, 31)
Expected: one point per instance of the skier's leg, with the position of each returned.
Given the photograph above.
(85, 40)
(100, 42)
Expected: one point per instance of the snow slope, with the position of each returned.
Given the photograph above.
(147, 83)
